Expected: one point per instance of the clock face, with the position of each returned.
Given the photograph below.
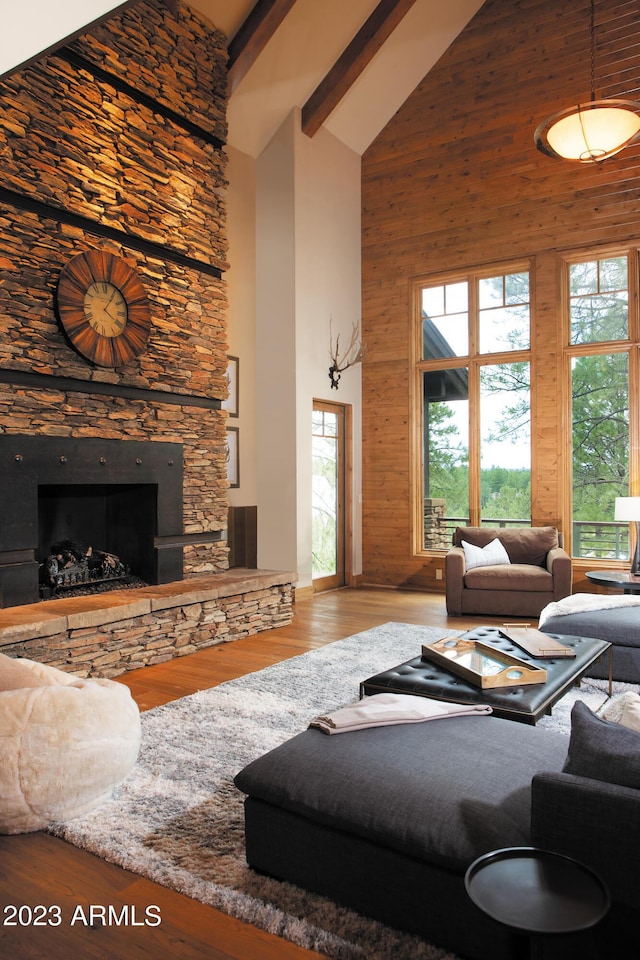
(105, 309)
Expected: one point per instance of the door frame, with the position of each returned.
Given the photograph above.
(344, 576)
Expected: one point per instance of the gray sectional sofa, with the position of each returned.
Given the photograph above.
(387, 820)
(615, 622)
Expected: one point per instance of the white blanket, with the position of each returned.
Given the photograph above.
(384, 709)
(584, 602)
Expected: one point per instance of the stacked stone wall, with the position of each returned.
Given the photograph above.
(89, 162)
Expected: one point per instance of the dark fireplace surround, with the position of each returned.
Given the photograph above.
(121, 496)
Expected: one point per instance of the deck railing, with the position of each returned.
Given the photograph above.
(592, 540)
(601, 541)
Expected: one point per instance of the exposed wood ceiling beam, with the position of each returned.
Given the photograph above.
(253, 36)
(348, 67)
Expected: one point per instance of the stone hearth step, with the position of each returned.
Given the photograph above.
(108, 633)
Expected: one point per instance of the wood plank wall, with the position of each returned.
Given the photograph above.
(454, 181)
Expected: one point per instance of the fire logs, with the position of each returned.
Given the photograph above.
(71, 564)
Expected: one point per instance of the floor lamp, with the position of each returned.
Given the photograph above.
(628, 508)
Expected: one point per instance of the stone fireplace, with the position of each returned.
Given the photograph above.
(111, 144)
(116, 143)
(123, 497)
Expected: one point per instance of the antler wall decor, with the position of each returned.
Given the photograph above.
(354, 353)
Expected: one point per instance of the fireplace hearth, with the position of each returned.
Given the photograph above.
(117, 498)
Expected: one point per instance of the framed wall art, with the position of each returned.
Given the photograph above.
(233, 456)
(233, 371)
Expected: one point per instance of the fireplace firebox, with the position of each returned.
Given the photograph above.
(123, 497)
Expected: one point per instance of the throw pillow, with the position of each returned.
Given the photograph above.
(602, 750)
(624, 709)
(493, 553)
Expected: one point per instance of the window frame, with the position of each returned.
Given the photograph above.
(473, 361)
(629, 346)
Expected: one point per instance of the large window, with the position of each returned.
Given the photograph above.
(474, 402)
(602, 364)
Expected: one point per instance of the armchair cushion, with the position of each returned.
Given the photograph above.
(524, 577)
(523, 544)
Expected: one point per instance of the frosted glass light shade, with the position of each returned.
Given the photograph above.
(627, 508)
(589, 132)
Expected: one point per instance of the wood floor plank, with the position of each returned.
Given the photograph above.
(40, 869)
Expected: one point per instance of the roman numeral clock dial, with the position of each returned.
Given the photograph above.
(103, 308)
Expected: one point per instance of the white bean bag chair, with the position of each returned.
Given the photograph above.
(65, 743)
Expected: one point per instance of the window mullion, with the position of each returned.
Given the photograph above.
(634, 421)
(474, 444)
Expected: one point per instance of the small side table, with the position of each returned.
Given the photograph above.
(615, 578)
(537, 893)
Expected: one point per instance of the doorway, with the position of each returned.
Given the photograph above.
(329, 505)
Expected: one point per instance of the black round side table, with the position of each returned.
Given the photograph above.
(624, 580)
(538, 893)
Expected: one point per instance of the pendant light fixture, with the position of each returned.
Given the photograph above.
(589, 132)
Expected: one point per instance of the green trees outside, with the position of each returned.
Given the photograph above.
(599, 313)
(599, 331)
(600, 434)
(505, 493)
(324, 507)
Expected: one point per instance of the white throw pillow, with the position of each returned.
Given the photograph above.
(624, 710)
(493, 553)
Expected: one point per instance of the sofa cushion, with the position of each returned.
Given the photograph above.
(618, 625)
(444, 791)
(493, 553)
(602, 750)
(523, 544)
(515, 576)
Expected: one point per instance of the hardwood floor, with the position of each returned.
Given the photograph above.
(37, 869)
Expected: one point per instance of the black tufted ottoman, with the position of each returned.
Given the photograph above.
(526, 703)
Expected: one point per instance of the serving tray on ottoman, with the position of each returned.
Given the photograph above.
(525, 703)
(481, 664)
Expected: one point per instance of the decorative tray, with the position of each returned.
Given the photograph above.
(536, 643)
(480, 664)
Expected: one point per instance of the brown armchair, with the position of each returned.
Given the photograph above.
(538, 571)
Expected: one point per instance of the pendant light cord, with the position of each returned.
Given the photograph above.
(593, 49)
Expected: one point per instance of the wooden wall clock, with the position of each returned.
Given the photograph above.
(103, 308)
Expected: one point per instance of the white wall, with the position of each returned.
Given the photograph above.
(328, 288)
(306, 265)
(241, 293)
(276, 368)
(33, 26)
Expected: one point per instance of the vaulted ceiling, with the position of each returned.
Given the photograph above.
(348, 65)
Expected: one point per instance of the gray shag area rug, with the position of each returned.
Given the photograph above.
(178, 819)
